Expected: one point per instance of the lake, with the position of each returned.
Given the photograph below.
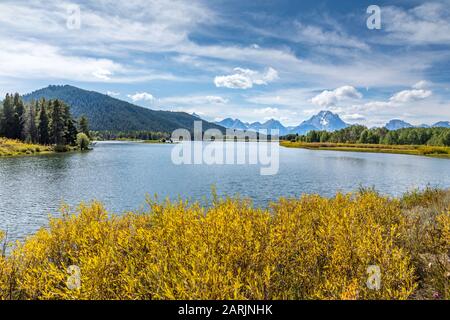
(121, 174)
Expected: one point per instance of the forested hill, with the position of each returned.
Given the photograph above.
(107, 113)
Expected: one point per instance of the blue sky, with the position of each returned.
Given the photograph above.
(252, 60)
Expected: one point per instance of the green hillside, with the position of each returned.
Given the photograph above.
(107, 113)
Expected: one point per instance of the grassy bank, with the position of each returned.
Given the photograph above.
(431, 151)
(9, 148)
(307, 248)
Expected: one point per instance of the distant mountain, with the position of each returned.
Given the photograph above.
(396, 124)
(108, 113)
(324, 121)
(444, 124)
(273, 125)
(237, 124)
(233, 124)
(255, 126)
(400, 124)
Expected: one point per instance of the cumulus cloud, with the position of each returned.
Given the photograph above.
(112, 93)
(330, 98)
(141, 96)
(246, 78)
(410, 95)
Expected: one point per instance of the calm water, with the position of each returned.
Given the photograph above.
(122, 174)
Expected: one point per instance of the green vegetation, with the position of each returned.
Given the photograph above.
(431, 151)
(129, 135)
(82, 141)
(363, 135)
(307, 248)
(44, 122)
(415, 141)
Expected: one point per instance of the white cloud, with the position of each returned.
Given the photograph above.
(353, 117)
(425, 24)
(422, 84)
(33, 60)
(193, 100)
(246, 78)
(318, 36)
(141, 96)
(268, 112)
(48, 50)
(410, 95)
(116, 30)
(331, 98)
(113, 93)
(102, 74)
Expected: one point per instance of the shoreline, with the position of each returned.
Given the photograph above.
(425, 151)
(14, 149)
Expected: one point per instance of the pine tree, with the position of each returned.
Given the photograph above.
(58, 124)
(30, 131)
(8, 117)
(44, 137)
(19, 117)
(70, 134)
(84, 126)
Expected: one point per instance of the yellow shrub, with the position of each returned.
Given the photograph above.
(308, 248)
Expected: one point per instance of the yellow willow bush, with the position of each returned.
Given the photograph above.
(308, 248)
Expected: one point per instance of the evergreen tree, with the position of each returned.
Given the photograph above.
(71, 132)
(58, 124)
(19, 117)
(84, 126)
(30, 131)
(8, 117)
(44, 137)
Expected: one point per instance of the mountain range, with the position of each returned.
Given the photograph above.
(108, 113)
(396, 124)
(324, 120)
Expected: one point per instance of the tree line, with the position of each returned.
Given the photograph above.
(44, 122)
(134, 135)
(361, 134)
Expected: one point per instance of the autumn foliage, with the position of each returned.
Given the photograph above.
(307, 248)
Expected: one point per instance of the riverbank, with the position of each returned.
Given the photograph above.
(429, 151)
(308, 248)
(11, 148)
(16, 148)
(136, 140)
